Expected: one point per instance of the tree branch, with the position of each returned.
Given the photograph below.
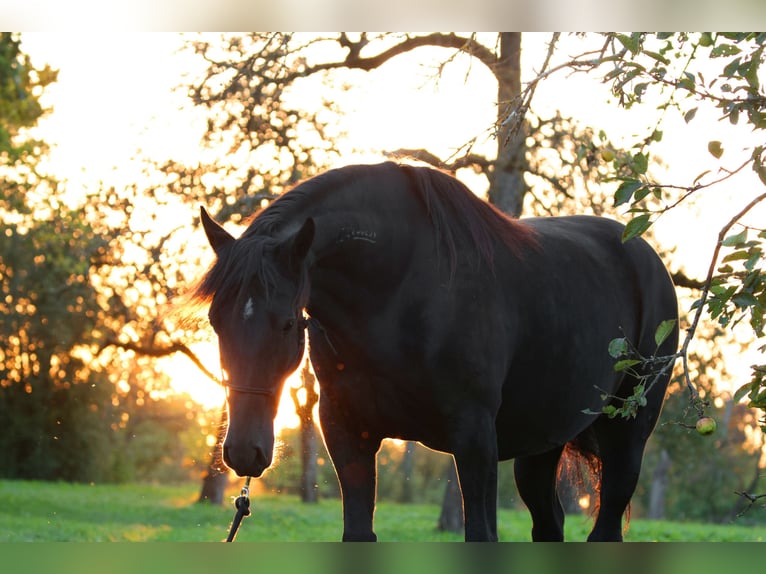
(752, 498)
(706, 290)
(355, 60)
(468, 160)
(681, 279)
(158, 352)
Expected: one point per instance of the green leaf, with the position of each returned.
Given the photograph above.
(630, 42)
(700, 176)
(706, 40)
(755, 257)
(742, 391)
(663, 331)
(735, 239)
(657, 56)
(744, 300)
(687, 82)
(640, 163)
(641, 193)
(625, 364)
(689, 116)
(736, 256)
(724, 50)
(626, 190)
(758, 165)
(618, 347)
(715, 148)
(636, 227)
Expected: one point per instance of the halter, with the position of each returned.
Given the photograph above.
(247, 390)
(241, 388)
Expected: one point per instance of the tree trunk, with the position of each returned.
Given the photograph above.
(310, 467)
(451, 517)
(507, 186)
(304, 407)
(659, 487)
(216, 477)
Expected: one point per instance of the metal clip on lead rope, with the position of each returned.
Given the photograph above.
(242, 504)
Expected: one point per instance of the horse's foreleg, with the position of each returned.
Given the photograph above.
(353, 455)
(357, 484)
(476, 460)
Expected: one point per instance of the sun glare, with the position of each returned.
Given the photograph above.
(186, 377)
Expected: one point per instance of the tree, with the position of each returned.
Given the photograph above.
(305, 399)
(45, 299)
(72, 414)
(21, 85)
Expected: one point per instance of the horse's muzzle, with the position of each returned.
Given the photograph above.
(246, 460)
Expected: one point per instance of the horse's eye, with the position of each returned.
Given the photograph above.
(289, 324)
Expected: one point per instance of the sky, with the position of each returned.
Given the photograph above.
(116, 94)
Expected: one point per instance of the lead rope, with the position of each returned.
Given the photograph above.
(242, 504)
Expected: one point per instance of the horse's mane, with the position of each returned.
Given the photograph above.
(451, 206)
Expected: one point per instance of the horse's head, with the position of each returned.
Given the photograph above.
(257, 313)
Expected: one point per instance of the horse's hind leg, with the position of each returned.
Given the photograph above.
(536, 481)
(621, 445)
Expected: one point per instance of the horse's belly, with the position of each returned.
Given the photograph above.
(543, 412)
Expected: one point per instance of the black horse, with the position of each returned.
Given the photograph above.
(434, 317)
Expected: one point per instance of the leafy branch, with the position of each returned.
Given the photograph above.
(647, 370)
(752, 499)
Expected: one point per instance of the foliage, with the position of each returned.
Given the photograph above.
(63, 274)
(646, 370)
(34, 511)
(20, 87)
(704, 472)
(50, 397)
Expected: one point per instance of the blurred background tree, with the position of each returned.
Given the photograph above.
(65, 294)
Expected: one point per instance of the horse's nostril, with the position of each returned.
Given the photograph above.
(260, 457)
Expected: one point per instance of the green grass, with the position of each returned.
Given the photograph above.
(52, 512)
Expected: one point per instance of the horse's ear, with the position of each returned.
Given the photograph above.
(216, 234)
(300, 243)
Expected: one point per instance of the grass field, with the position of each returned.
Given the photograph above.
(52, 512)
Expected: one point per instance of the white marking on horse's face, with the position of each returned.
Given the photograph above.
(249, 310)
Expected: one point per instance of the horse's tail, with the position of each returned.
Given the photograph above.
(581, 465)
